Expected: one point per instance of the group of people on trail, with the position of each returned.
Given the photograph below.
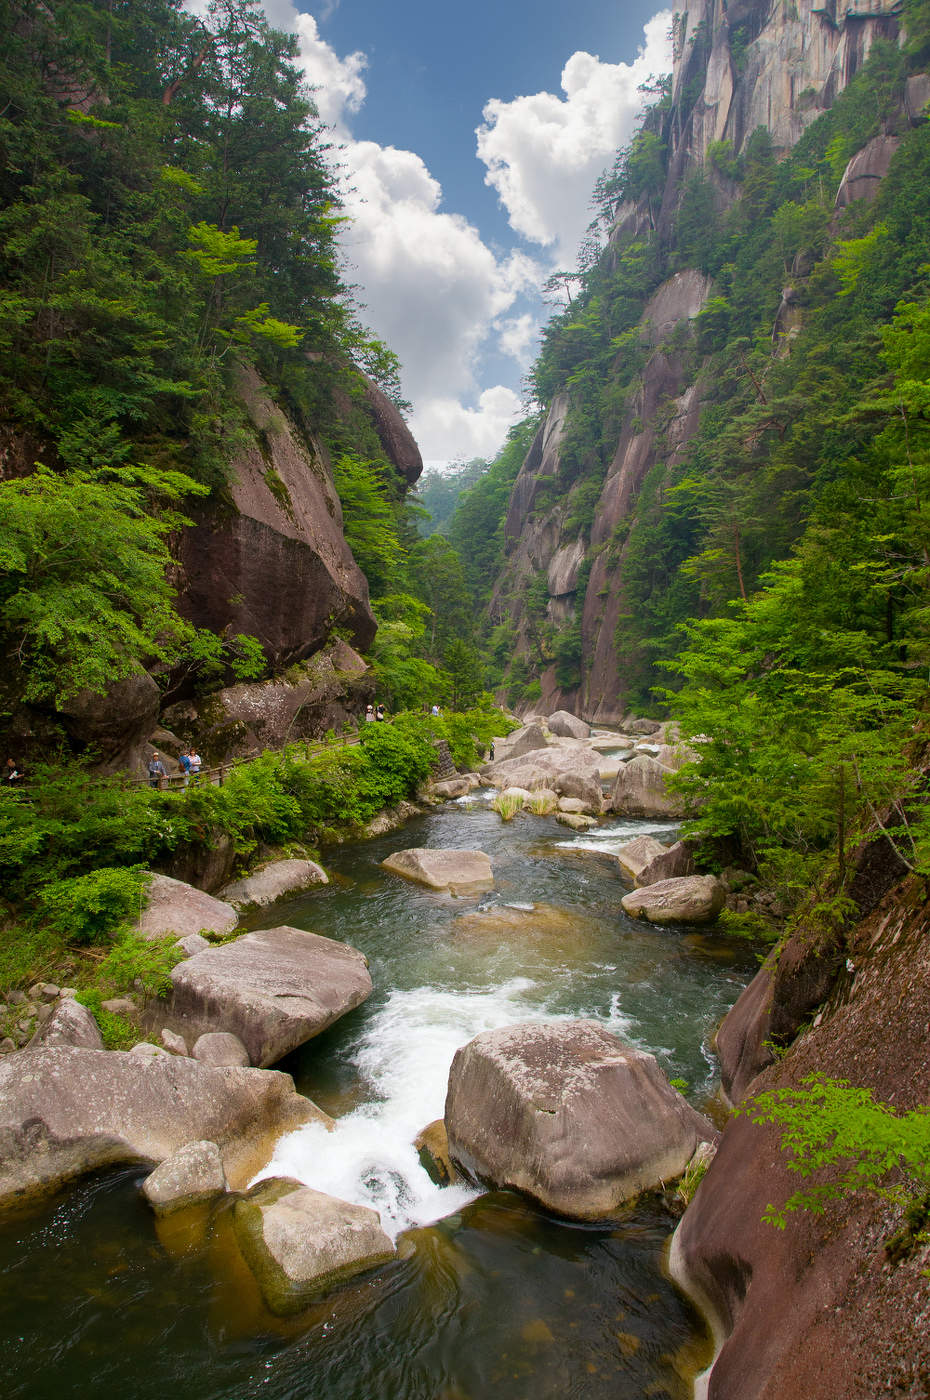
(14, 773)
(189, 761)
(374, 713)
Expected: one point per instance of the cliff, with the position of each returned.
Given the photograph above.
(837, 1304)
(739, 67)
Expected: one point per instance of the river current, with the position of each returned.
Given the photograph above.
(489, 1295)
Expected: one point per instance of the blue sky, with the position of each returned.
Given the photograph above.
(470, 138)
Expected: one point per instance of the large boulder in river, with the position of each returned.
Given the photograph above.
(696, 899)
(274, 881)
(635, 855)
(274, 989)
(171, 906)
(568, 726)
(641, 790)
(299, 1243)
(568, 1113)
(459, 872)
(66, 1111)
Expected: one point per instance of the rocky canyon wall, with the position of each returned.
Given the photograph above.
(739, 65)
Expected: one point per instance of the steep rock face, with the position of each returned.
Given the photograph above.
(739, 65)
(276, 564)
(768, 64)
(818, 1309)
(396, 438)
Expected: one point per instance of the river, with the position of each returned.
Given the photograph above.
(488, 1295)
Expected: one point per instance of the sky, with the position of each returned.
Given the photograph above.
(469, 139)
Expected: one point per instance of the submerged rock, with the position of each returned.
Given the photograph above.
(274, 989)
(696, 899)
(274, 881)
(66, 1111)
(189, 1176)
(568, 1113)
(299, 1243)
(459, 872)
(171, 906)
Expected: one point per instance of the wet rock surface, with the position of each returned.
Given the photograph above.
(695, 899)
(188, 1177)
(459, 872)
(299, 1243)
(273, 881)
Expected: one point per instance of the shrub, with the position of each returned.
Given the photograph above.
(88, 908)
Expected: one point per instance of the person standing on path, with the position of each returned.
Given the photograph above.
(195, 763)
(157, 770)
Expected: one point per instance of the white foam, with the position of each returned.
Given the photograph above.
(405, 1056)
(609, 839)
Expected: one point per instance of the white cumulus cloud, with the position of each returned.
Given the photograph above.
(543, 152)
(446, 429)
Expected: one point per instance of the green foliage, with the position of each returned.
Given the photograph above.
(136, 963)
(88, 908)
(369, 519)
(836, 1128)
(507, 805)
(84, 599)
(117, 1031)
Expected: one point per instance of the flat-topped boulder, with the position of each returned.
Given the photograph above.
(274, 881)
(188, 1177)
(636, 854)
(171, 906)
(451, 788)
(274, 989)
(299, 1243)
(569, 1114)
(694, 899)
(65, 1111)
(641, 790)
(568, 726)
(459, 872)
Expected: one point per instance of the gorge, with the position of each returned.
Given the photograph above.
(712, 520)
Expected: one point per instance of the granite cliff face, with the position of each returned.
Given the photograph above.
(739, 65)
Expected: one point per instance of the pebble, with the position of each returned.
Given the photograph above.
(7, 1046)
(16, 998)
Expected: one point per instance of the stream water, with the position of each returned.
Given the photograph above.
(488, 1295)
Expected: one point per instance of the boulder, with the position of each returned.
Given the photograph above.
(117, 724)
(636, 854)
(173, 907)
(568, 1113)
(219, 1048)
(574, 804)
(194, 943)
(450, 788)
(696, 899)
(459, 872)
(640, 790)
(300, 1243)
(568, 726)
(65, 1111)
(671, 863)
(518, 793)
(576, 821)
(571, 772)
(145, 1050)
(526, 740)
(433, 1146)
(635, 725)
(175, 1044)
(69, 1024)
(189, 1176)
(274, 989)
(273, 881)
